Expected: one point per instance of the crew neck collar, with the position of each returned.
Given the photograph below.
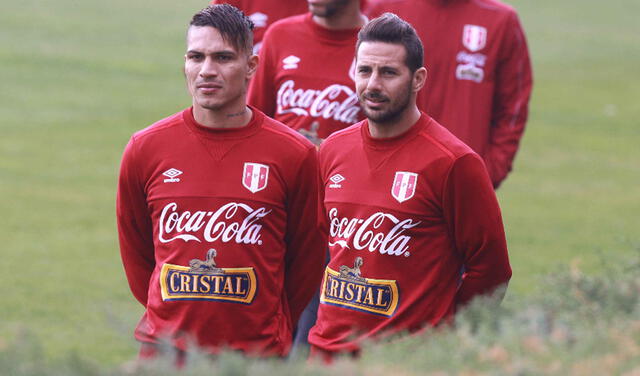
(391, 142)
(331, 35)
(224, 133)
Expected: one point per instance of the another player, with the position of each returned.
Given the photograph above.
(408, 205)
(305, 78)
(480, 74)
(217, 209)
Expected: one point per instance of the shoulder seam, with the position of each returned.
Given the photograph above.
(160, 127)
(289, 136)
(438, 144)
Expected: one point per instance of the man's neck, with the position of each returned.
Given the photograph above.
(233, 118)
(399, 126)
(349, 18)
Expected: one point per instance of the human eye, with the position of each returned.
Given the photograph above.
(389, 72)
(224, 57)
(363, 70)
(194, 56)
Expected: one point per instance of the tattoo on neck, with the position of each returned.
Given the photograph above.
(237, 113)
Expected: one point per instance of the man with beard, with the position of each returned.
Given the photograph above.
(408, 205)
(305, 78)
(480, 72)
(263, 13)
(217, 209)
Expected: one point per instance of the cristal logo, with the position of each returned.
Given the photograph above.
(226, 224)
(368, 234)
(319, 103)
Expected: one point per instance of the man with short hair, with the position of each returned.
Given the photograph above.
(217, 209)
(305, 78)
(407, 203)
(480, 70)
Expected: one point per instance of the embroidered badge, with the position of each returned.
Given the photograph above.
(255, 176)
(404, 185)
(474, 37)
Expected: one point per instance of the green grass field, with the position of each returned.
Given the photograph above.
(78, 77)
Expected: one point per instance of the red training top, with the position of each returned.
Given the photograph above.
(400, 230)
(479, 79)
(306, 77)
(218, 232)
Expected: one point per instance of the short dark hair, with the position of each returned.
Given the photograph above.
(390, 28)
(234, 26)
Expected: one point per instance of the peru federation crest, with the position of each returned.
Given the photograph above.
(474, 37)
(404, 185)
(255, 176)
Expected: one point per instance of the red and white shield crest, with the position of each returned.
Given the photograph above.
(474, 37)
(404, 185)
(255, 176)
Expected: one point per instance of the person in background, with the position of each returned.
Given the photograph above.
(408, 205)
(305, 79)
(217, 209)
(480, 73)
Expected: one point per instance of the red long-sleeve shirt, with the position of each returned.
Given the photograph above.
(305, 77)
(480, 77)
(400, 230)
(250, 195)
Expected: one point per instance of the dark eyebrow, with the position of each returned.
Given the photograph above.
(222, 52)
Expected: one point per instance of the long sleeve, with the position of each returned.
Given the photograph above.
(262, 90)
(305, 238)
(134, 226)
(473, 216)
(511, 100)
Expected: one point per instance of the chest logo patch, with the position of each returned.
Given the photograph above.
(336, 180)
(172, 175)
(347, 288)
(204, 280)
(404, 185)
(255, 176)
(259, 19)
(474, 37)
(290, 62)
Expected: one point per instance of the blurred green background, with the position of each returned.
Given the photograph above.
(77, 78)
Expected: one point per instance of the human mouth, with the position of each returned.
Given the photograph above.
(208, 88)
(374, 100)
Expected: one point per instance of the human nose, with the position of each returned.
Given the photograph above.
(374, 83)
(208, 68)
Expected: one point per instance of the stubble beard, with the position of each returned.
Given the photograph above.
(331, 9)
(389, 117)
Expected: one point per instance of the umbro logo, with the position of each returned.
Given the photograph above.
(172, 175)
(259, 19)
(290, 62)
(336, 180)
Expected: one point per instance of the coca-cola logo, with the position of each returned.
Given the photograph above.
(319, 103)
(475, 59)
(369, 234)
(232, 222)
